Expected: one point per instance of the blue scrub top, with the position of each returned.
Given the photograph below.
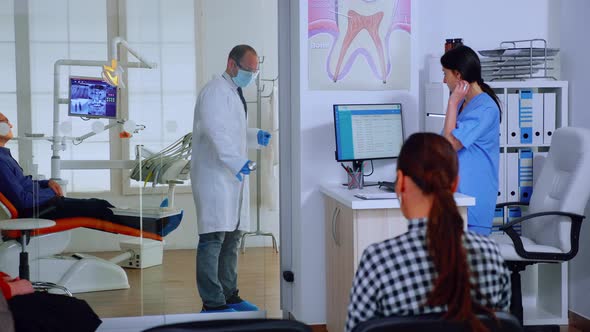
(478, 129)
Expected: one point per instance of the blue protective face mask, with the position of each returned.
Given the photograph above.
(243, 78)
(4, 128)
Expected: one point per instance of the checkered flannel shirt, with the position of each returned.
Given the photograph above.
(395, 277)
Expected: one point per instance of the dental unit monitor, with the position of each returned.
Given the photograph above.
(92, 98)
(367, 132)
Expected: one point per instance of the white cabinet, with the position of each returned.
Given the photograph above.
(351, 225)
(348, 233)
(437, 94)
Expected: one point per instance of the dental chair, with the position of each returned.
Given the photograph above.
(551, 228)
(80, 273)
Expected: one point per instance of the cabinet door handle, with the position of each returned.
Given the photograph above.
(334, 217)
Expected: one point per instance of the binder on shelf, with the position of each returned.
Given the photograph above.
(515, 212)
(501, 180)
(525, 174)
(537, 118)
(502, 120)
(525, 117)
(512, 125)
(549, 113)
(498, 221)
(511, 172)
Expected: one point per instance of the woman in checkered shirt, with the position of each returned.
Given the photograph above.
(436, 267)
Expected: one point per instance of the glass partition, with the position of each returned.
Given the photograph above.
(127, 233)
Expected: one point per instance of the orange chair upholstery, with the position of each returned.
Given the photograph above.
(65, 224)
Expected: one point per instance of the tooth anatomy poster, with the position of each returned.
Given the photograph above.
(359, 44)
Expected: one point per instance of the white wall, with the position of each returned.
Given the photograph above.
(318, 165)
(482, 26)
(221, 24)
(576, 69)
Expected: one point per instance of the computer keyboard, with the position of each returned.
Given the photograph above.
(387, 186)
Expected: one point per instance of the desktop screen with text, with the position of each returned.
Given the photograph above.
(366, 132)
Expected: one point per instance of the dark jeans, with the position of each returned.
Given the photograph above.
(217, 267)
(64, 207)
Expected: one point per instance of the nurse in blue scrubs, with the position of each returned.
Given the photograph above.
(472, 125)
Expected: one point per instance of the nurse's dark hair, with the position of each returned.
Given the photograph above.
(464, 60)
(238, 52)
(431, 162)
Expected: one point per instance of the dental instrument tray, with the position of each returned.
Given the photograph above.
(158, 220)
(151, 212)
(518, 60)
(520, 52)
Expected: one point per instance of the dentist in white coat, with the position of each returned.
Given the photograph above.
(219, 176)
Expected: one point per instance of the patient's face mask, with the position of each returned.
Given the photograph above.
(4, 128)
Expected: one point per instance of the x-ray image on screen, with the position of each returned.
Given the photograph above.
(92, 97)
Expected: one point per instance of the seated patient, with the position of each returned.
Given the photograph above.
(37, 311)
(436, 267)
(31, 196)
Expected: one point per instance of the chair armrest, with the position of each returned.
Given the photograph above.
(574, 236)
(501, 205)
(573, 216)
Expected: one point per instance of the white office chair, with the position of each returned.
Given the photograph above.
(551, 228)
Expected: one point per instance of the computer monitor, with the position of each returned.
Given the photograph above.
(368, 131)
(92, 98)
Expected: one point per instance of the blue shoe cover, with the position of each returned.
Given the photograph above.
(243, 306)
(218, 311)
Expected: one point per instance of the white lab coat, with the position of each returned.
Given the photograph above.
(220, 144)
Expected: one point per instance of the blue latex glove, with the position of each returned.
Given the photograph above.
(245, 170)
(263, 137)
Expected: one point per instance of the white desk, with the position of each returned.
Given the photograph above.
(351, 225)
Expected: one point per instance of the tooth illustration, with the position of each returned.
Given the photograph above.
(356, 23)
(361, 30)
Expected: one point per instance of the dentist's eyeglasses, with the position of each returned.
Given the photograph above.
(254, 72)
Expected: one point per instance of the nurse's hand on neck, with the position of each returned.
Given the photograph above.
(464, 90)
(460, 91)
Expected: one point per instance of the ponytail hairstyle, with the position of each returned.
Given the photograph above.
(464, 60)
(431, 162)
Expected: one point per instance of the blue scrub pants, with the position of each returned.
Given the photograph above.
(485, 231)
(217, 267)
